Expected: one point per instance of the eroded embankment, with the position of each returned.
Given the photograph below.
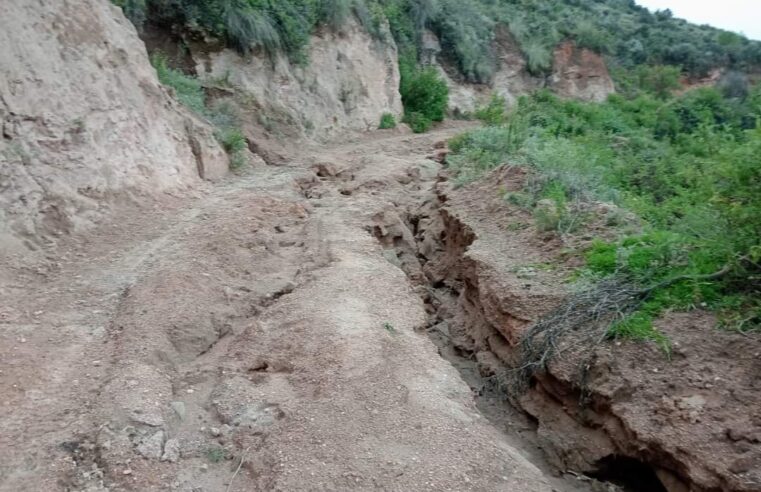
(619, 411)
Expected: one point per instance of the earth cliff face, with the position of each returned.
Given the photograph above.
(350, 80)
(84, 121)
(577, 73)
(580, 74)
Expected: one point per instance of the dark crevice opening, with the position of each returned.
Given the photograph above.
(630, 474)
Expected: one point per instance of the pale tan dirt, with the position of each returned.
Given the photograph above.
(251, 324)
(84, 122)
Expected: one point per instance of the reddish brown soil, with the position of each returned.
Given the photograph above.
(693, 421)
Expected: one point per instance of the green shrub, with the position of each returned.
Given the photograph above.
(418, 122)
(494, 112)
(215, 454)
(538, 57)
(335, 12)
(602, 258)
(387, 121)
(232, 140)
(424, 92)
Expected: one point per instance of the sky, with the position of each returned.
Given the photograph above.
(743, 16)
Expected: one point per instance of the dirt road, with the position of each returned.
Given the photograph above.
(257, 337)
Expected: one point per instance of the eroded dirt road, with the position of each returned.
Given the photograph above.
(256, 338)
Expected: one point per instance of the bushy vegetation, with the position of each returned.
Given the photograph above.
(629, 34)
(644, 50)
(387, 121)
(687, 166)
(189, 91)
(272, 26)
(425, 96)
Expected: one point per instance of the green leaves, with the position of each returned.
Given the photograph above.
(425, 96)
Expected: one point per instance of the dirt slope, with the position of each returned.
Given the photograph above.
(84, 122)
(258, 334)
(625, 410)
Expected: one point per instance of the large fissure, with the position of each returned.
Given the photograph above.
(430, 244)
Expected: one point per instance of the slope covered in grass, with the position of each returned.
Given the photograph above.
(687, 166)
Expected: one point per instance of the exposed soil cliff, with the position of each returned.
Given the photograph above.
(577, 73)
(613, 410)
(349, 81)
(85, 121)
(580, 73)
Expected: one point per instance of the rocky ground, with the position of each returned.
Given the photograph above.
(256, 337)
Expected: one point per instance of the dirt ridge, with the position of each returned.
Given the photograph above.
(661, 425)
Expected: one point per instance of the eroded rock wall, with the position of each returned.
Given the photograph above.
(350, 80)
(84, 120)
(580, 73)
(577, 73)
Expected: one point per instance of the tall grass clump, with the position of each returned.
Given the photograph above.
(248, 28)
(188, 90)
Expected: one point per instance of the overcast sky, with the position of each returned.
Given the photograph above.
(733, 15)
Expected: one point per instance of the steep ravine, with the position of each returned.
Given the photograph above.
(644, 422)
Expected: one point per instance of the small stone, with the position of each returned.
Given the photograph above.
(179, 408)
(151, 447)
(215, 432)
(190, 391)
(127, 472)
(204, 467)
(171, 451)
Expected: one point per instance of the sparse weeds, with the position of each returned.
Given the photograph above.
(389, 328)
(189, 91)
(215, 454)
(387, 122)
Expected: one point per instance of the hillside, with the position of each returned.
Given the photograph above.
(377, 245)
(628, 34)
(580, 49)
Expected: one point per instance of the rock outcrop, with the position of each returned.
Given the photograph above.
(512, 78)
(577, 73)
(84, 120)
(350, 80)
(580, 73)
